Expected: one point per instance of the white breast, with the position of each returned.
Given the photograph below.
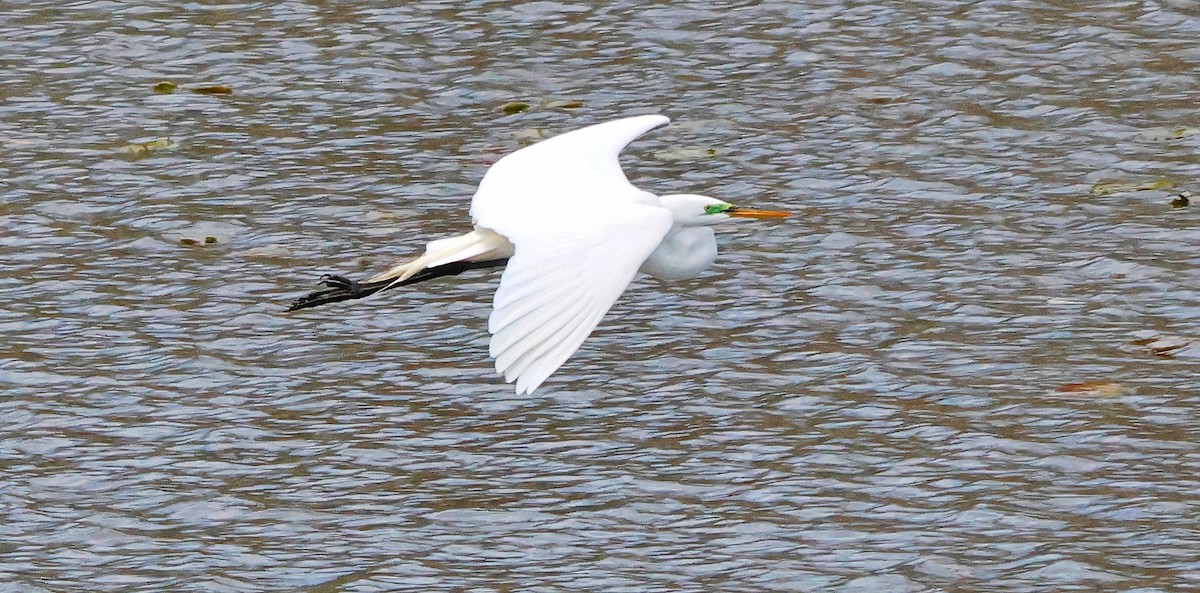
(683, 253)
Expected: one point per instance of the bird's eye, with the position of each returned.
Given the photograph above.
(716, 208)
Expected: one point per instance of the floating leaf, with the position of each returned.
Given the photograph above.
(1105, 188)
(216, 89)
(208, 233)
(164, 87)
(1097, 388)
(145, 148)
(1181, 200)
(514, 107)
(192, 242)
(1162, 134)
(567, 104)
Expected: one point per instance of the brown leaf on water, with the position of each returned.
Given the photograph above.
(1105, 188)
(193, 242)
(565, 104)
(514, 107)
(140, 149)
(1096, 388)
(164, 87)
(1164, 134)
(216, 89)
(1162, 346)
(208, 234)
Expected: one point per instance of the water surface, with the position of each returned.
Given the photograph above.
(881, 394)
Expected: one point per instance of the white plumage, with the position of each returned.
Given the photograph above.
(574, 232)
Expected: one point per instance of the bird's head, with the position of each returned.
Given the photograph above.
(695, 210)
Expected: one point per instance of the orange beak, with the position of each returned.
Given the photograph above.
(737, 212)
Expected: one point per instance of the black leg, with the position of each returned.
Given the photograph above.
(340, 288)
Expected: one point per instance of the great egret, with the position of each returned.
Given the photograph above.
(573, 232)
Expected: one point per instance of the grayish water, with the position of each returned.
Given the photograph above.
(936, 378)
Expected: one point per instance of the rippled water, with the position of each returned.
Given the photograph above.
(959, 369)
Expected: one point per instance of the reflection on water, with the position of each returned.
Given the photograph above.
(947, 374)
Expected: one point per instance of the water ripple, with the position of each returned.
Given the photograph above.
(957, 368)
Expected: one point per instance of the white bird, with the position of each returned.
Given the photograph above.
(571, 233)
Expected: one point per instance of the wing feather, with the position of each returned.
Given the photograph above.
(568, 268)
(528, 283)
(581, 164)
(550, 358)
(526, 316)
(579, 231)
(530, 346)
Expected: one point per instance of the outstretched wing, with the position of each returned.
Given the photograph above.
(576, 165)
(580, 232)
(572, 260)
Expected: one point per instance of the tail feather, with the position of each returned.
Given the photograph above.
(477, 245)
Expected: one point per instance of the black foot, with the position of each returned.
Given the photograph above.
(340, 288)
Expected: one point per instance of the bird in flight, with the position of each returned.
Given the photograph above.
(571, 233)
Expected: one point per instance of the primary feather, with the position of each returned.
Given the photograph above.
(563, 277)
